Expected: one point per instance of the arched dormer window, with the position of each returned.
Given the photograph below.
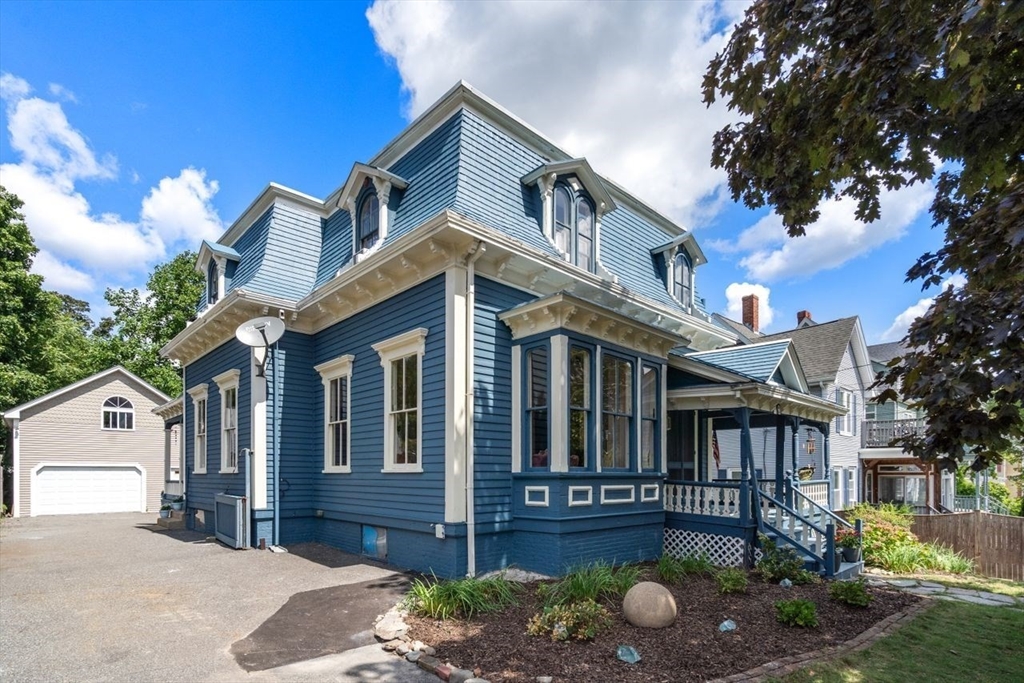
(212, 283)
(682, 286)
(118, 413)
(369, 220)
(574, 226)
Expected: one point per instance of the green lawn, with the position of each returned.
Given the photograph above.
(982, 583)
(952, 641)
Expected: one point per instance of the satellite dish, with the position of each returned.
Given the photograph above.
(260, 331)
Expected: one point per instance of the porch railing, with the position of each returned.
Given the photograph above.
(983, 503)
(796, 530)
(880, 433)
(703, 498)
(173, 488)
(816, 490)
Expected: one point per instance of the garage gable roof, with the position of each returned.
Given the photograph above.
(160, 397)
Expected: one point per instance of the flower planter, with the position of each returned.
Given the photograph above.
(164, 514)
(178, 506)
(851, 554)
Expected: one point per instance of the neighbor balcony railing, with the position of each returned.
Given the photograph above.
(880, 433)
(173, 488)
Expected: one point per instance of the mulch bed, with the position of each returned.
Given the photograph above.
(692, 649)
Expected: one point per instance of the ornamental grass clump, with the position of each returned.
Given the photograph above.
(854, 593)
(462, 598)
(802, 613)
(731, 581)
(595, 582)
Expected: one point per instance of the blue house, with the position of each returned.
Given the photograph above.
(493, 356)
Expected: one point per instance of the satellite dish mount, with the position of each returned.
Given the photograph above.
(260, 333)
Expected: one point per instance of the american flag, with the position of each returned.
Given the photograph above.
(715, 451)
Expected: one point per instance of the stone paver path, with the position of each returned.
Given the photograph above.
(938, 590)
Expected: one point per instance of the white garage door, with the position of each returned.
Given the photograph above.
(82, 489)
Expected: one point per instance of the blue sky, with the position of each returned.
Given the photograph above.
(132, 130)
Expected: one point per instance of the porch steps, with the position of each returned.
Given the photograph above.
(175, 521)
(849, 570)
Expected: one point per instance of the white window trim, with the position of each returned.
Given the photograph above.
(226, 381)
(200, 392)
(408, 343)
(104, 409)
(574, 502)
(382, 188)
(340, 367)
(670, 279)
(605, 490)
(543, 503)
(649, 493)
(845, 421)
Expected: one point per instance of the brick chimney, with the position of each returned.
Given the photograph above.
(802, 316)
(750, 311)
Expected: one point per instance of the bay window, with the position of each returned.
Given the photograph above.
(579, 406)
(538, 437)
(617, 411)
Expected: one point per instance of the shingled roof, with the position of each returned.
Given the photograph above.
(883, 353)
(820, 347)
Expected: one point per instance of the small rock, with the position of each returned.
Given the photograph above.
(559, 632)
(417, 646)
(402, 649)
(427, 650)
(391, 626)
(391, 645)
(413, 656)
(443, 672)
(786, 583)
(544, 679)
(628, 654)
(478, 672)
(428, 663)
(727, 626)
(461, 676)
(478, 680)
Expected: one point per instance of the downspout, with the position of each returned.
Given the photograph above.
(182, 470)
(476, 252)
(277, 454)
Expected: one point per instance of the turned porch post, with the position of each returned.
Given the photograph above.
(780, 454)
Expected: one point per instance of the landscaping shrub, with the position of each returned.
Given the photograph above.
(670, 569)
(803, 613)
(592, 582)
(901, 558)
(778, 563)
(461, 598)
(853, 593)
(581, 621)
(731, 581)
(944, 559)
(697, 565)
(889, 544)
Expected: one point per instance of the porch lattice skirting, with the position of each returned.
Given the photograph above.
(723, 551)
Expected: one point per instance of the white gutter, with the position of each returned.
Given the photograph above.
(476, 252)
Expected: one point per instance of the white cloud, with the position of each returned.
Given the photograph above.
(617, 82)
(79, 246)
(180, 209)
(734, 294)
(769, 254)
(902, 321)
(62, 93)
(60, 276)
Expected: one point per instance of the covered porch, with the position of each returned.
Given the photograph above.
(174, 448)
(721, 492)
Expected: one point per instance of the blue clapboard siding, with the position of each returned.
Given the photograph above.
(289, 265)
(298, 423)
(337, 246)
(252, 248)
(201, 488)
(492, 435)
(414, 499)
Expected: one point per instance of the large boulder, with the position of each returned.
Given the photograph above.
(649, 605)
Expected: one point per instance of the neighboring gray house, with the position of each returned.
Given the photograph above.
(92, 446)
(837, 366)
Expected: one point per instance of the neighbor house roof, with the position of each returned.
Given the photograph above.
(15, 412)
(883, 353)
(736, 326)
(820, 347)
(759, 361)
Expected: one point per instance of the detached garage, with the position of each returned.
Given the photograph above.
(94, 446)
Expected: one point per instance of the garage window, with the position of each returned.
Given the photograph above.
(118, 413)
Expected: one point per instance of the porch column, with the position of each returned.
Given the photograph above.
(167, 453)
(826, 462)
(796, 434)
(746, 457)
(780, 454)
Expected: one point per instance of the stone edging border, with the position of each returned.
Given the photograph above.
(788, 665)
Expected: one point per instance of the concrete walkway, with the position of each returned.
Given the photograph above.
(938, 590)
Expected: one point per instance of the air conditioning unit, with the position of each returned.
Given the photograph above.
(229, 520)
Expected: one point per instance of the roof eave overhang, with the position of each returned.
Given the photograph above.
(756, 395)
(686, 241)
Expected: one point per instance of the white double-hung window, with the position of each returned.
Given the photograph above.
(402, 360)
(228, 383)
(199, 400)
(336, 376)
(844, 423)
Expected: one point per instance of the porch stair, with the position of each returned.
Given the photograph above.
(175, 521)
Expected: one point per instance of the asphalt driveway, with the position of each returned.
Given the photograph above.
(108, 598)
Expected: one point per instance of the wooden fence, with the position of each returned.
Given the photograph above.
(994, 542)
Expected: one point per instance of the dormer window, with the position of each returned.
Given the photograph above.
(212, 283)
(574, 226)
(369, 220)
(682, 282)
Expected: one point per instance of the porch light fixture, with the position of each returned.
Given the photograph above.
(778, 409)
(809, 443)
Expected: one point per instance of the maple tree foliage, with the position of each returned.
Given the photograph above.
(847, 99)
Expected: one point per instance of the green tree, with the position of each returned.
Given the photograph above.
(845, 99)
(142, 324)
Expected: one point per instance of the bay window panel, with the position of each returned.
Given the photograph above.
(617, 419)
(579, 406)
(537, 406)
(647, 445)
